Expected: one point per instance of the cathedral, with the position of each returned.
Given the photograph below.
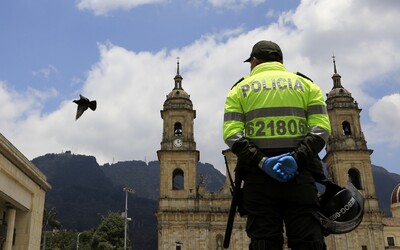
(189, 217)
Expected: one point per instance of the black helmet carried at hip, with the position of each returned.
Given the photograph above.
(341, 209)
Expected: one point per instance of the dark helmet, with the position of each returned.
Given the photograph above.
(341, 209)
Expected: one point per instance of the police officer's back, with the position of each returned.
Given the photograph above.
(276, 122)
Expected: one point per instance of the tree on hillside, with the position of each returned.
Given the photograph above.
(62, 240)
(109, 235)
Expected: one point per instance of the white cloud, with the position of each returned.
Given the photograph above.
(386, 121)
(103, 7)
(234, 3)
(130, 87)
(45, 72)
(15, 105)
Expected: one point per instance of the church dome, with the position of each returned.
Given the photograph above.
(178, 98)
(339, 97)
(395, 197)
(178, 93)
(339, 92)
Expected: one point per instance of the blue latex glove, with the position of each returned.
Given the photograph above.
(287, 164)
(273, 168)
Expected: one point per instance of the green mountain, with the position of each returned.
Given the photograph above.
(82, 191)
(385, 182)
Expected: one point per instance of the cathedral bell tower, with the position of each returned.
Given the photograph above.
(178, 155)
(178, 159)
(348, 161)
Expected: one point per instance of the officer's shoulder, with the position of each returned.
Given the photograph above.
(304, 76)
(234, 85)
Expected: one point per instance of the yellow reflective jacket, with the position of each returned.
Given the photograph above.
(274, 108)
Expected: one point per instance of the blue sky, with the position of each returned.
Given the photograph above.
(123, 54)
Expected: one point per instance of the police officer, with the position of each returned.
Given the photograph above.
(276, 123)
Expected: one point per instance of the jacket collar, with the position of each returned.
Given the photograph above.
(267, 66)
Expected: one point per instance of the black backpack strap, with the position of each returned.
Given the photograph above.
(304, 76)
(241, 79)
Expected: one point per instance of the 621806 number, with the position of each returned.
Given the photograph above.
(276, 127)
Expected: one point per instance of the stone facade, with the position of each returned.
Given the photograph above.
(391, 225)
(22, 195)
(189, 217)
(348, 161)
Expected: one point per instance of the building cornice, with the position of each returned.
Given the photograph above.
(11, 153)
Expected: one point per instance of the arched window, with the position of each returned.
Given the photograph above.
(178, 179)
(178, 129)
(346, 128)
(354, 176)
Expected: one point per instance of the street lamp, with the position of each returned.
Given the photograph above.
(77, 241)
(132, 191)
